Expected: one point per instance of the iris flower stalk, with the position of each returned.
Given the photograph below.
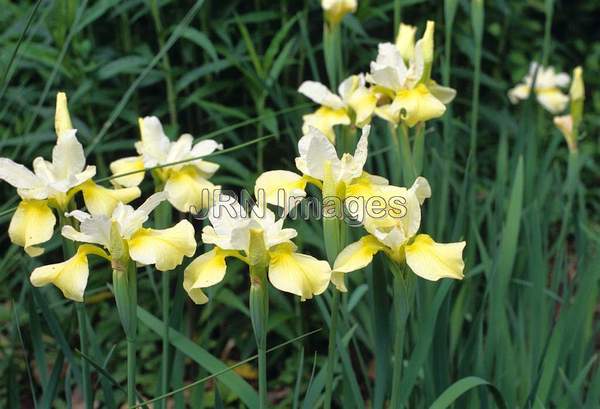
(258, 239)
(53, 186)
(186, 184)
(393, 231)
(337, 178)
(122, 240)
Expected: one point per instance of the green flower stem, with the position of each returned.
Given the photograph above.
(86, 386)
(333, 234)
(259, 313)
(333, 53)
(83, 345)
(419, 149)
(331, 351)
(125, 287)
(405, 152)
(403, 296)
(163, 217)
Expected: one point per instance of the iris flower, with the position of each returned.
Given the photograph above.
(394, 231)
(407, 94)
(320, 165)
(353, 106)
(54, 184)
(186, 184)
(117, 238)
(254, 238)
(547, 88)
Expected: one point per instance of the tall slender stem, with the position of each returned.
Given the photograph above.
(83, 345)
(403, 294)
(125, 288)
(131, 370)
(331, 352)
(259, 313)
(163, 216)
(86, 386)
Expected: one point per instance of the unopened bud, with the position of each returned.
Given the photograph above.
(62, 119)
(405, 41)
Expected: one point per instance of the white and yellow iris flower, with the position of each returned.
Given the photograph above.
(186, 182)
(53, 185)
(320, 165)
(406, 92)
(353, 106)
(231, 231)
(396, 235)
(117, 238)
(547, 88)
(335, 10)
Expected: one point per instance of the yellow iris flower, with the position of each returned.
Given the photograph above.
(547, 88)
(53, 185)
(186, 184)
(118, 238)
(406, 92)
(320, 166)
(354, 105)
(234, 232)
(396, 235)
(335, 10)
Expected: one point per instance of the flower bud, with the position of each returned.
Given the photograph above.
(405, 41)
(428, 43)
(565, 125)
(335, 10)
(62, 120)
(577, 93)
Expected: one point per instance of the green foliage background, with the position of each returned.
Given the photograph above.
(525, 319)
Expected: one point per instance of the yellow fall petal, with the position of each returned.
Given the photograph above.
(552, 99)
(206, 270)
(354, 257)
(297, 273)
(188, 191)
(324, 119)
(417, 105)
(363, 101)
(126, 165)
(32, 223)
(432, 261)
(276, 187)
(102, 201)
(70, 276)
(164, 248)
(62, 119)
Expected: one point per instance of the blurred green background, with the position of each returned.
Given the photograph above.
(524, 319)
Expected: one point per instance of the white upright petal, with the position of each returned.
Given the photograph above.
(348, 86)
(154, 144)
(315, 150)
(389, 70)
(68, 156)
(320, 94)
(180, 150)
